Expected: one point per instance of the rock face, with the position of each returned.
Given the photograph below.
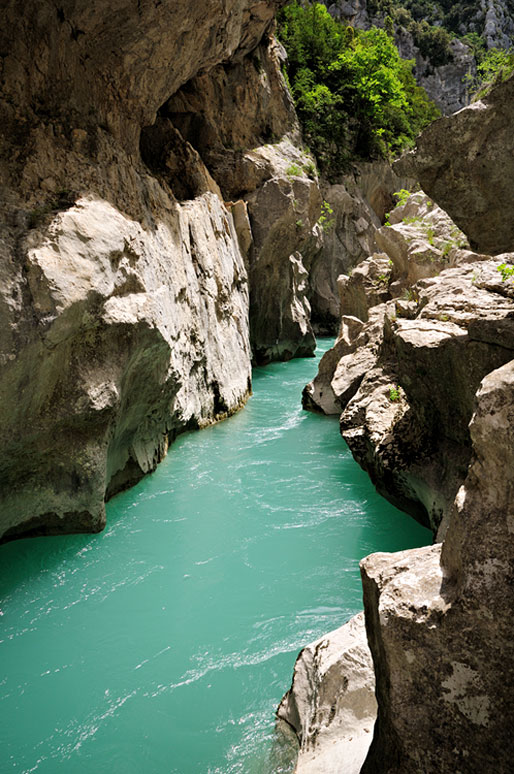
(133, 336)
(440, 622)
(426, 385)
(445, 84)
(498, 29)
(125, 276)
(353, 210)
(405, 383)
(218, 113)
(439, 619)
(465, 162)
(331, 704)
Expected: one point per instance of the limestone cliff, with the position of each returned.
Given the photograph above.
(444, 83)
(439, 620)
(354, 210)
(145, 160)
(466, 162)
(426, 384)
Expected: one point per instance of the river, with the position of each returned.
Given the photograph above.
(164, 644)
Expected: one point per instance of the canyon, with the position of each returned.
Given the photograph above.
(162, 229)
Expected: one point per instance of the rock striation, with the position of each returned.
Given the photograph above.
(145, 156)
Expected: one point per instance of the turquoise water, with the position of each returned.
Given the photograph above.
(164, 644)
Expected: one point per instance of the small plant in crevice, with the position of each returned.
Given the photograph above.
(310, 170)
(325, 220)
(293, 170)
(410, 295)
(506, 271)
(401, 196)
(394, 393)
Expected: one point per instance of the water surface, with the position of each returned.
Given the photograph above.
(164, 644)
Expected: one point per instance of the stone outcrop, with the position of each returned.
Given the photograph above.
(446, 84)
(498, 29)
(331, 704)
(129, 336)
(419, 241)
(439, 620)
(125, 276)
(354, 208)
(466, 163)
(405, 381)
(218, 113)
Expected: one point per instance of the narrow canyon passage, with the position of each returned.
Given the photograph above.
(165, 643)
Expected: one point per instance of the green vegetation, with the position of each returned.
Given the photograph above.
(293, 170)
(394, 394)
(419, 18)
(401, 196)
(355, 97)
(325, 219)
(494, 67)
(506, 271)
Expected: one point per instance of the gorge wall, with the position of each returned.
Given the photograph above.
(423, 382)
(154, 192)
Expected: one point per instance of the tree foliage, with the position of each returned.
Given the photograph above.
(494, 66)
(355, 96)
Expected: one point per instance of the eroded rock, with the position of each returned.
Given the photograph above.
(353, 209)
(124, 315)
(440, 621)
(466, 162)
(135, 335)
(331, 704)
(406, 384)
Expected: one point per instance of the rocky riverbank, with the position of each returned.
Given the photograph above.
(424, 385)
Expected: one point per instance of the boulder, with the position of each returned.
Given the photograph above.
(465, 162)
(331, 704)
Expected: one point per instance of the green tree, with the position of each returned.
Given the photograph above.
(355, 96)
